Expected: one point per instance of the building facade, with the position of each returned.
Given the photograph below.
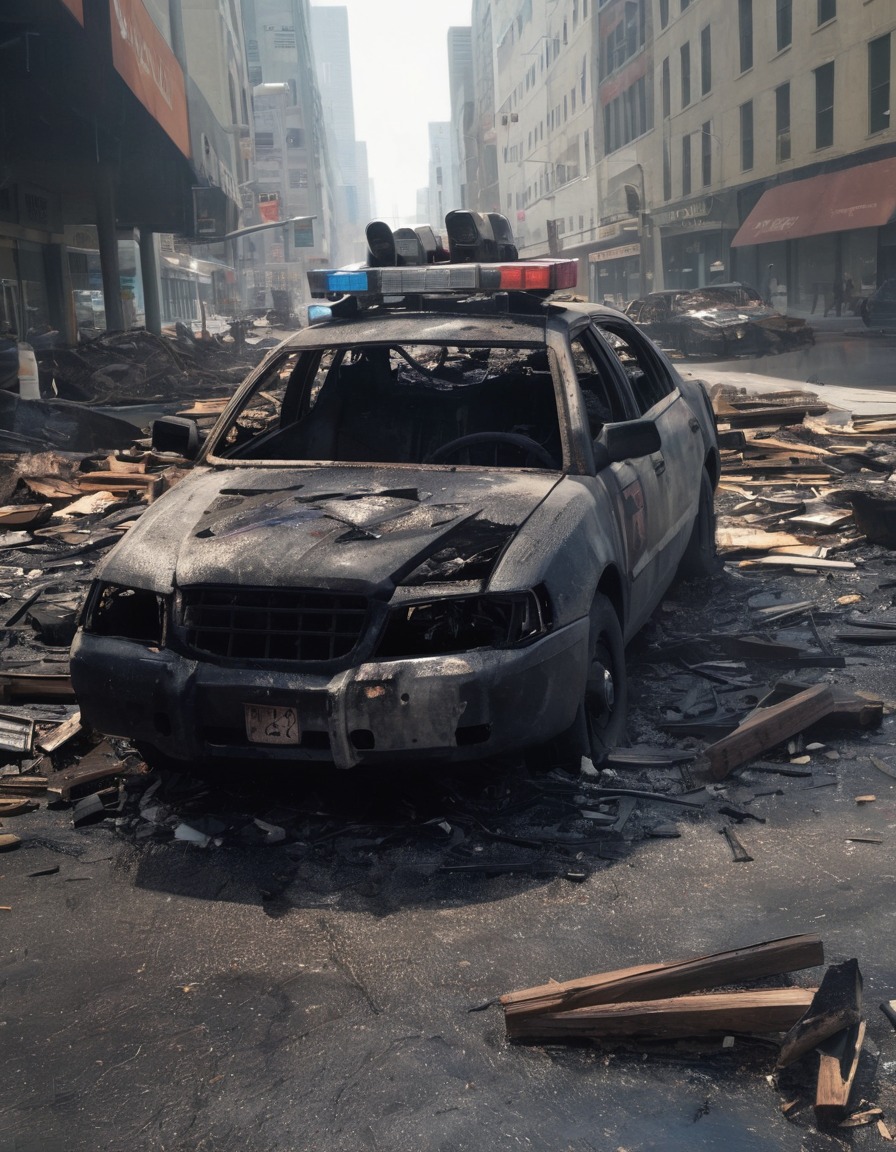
(333, 67)
(293, 174)
(673, 143)
(108, 139)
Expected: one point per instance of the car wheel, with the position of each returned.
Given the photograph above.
(605, 701)
(699, 557)
(599, 724)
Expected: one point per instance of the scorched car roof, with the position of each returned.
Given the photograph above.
(450, 327)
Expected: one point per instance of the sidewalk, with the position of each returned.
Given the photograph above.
(862, 401)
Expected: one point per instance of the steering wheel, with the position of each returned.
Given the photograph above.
(525, 444)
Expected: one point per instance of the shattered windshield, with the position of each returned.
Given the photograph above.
(488, 406)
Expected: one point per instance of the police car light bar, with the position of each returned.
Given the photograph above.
(431, 279)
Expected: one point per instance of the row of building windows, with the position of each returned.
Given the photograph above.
(825, 11)
(685, 73)
(879, 51)
(627, 117)
(554, 174)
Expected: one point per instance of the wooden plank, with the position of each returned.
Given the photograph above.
(60, 734)
(837, 1072)
(752, 540)
(851, 710)
(52, 487)
(836, 1007)
(35, 686)
(148, 484)
(767, 727)
(769, 1010)
(671, 978)
(101, 764)
(787, 561)
(24, 515)
(23, 785)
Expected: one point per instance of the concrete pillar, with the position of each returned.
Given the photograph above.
(150, 272)
(108, 241)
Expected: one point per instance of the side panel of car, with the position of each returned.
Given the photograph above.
(671, 477)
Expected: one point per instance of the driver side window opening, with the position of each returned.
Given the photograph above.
(603, 403)
(649, 380)
(403, 403)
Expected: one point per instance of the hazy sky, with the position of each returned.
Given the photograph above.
(400, 83)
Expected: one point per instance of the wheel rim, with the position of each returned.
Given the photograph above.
(600, 693)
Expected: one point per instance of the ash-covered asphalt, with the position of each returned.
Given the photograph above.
(316, 993)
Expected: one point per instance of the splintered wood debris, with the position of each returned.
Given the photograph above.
(670, 1001)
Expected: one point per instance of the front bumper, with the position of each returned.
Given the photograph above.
(445, 708)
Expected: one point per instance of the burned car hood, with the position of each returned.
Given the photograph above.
(360, 528)
(725, 317)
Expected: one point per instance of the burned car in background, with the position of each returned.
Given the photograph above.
(423, 529)
(879, 309)
(723, 320)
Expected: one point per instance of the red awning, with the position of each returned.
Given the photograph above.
(861, 197)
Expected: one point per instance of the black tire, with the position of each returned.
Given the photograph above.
(699, 559)
(600, 720)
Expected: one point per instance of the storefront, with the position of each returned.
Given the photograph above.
(86, 277)
(826, 241)
(695, 237)
(190, 285)
(614, 274)
(29, 260)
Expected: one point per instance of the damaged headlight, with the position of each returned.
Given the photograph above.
(457, 624)
(128, 613)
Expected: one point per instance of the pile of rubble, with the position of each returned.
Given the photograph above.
(100, 394)
(122, 368)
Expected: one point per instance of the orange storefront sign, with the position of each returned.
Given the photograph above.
(150, 69)
(76, 7)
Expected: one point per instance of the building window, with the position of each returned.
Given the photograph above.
(824, 105)
(746, 136)
(686, 165)
(706, 153)
(879, 84)
(666, 89)
(626, 117)
(745, 33)
(664, 13)
(705, 60)
(827, 10)
(784, 23)
(782, 123)
(667, 172)
(627, 37)
(685, 75)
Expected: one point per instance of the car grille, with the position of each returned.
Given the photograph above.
(272, 624)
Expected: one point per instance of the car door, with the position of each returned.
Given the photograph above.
(677, 467)
(632, 486)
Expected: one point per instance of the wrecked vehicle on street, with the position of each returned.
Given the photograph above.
(423, 530)
(722, 320)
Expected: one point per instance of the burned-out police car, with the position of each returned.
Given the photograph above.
(423, 529)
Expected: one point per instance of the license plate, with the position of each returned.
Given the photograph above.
(266, 724)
